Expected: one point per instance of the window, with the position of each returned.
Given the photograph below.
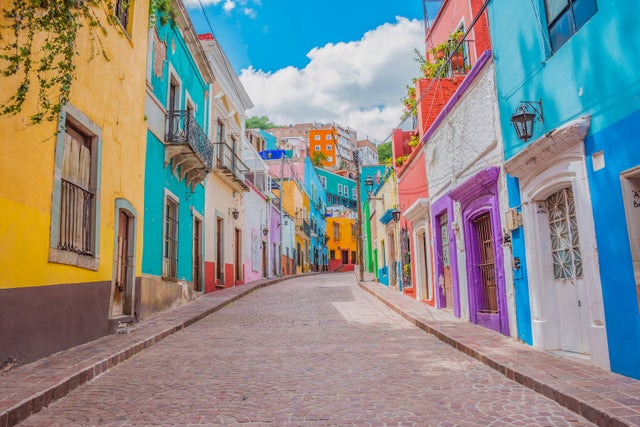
(317, 137)
(328, 137)
(340, 189)
(329, 147)
(74, 217)
(336, 232)
(330, 158)
(220, 131)
(566, 17)
(332, 254)
(324, 181)
(317, 148)
(122, 10)
(346, 191)
(170, 249)
(565, 247)
(76, 198)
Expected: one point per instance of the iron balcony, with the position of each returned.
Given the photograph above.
(187, 147)
(229, 167)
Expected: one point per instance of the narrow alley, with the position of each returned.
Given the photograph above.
(316, 350)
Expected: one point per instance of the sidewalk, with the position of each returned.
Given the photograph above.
(26, 389)
(602, 397)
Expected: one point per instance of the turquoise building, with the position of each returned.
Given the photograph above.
(375, 172)
(575, 180)
(318, 254)
(178, 158)
(341, 191)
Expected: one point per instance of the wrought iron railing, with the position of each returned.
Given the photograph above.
(225, 158)
(182, 128)
(306, 228)
(76, 219)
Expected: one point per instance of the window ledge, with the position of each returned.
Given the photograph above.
(170, 279)
(60, 256)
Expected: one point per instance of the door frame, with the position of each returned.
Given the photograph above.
(129, 304)
(197, 217)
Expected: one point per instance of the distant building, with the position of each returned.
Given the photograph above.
(368, 153)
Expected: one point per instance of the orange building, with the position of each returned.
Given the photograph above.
(341, 243)
(323, 146)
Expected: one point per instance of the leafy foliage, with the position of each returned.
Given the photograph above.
(318, 157)
(43, 46)
(49, 64)
(256, 122)
(384, 152)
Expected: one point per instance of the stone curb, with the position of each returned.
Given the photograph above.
(20, 411)
(529, 378)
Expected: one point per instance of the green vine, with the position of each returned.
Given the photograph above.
(42, 50)
(162, 9)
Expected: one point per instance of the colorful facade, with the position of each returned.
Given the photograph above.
(579, 295)
(228, 180)
(341, 243)
(178, 159)
(67, 218)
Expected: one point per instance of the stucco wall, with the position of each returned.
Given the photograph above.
(467, 141)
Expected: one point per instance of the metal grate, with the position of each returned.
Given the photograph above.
(486, 264)
(76, 213)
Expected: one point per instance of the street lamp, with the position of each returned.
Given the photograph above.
(524, 118)
(265, 231)
(395, 213)
(368, 186)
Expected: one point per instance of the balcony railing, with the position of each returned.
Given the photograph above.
(187, 146)
(306, 228)
(226, 162)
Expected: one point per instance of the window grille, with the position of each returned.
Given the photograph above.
(563, 227)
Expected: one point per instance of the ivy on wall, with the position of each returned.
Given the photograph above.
(39, 45)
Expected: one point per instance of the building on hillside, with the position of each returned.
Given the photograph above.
(224, 187)
(323, 147)
(341, 243)
(573, 179)
(179, 158)
(295, 205)
(368, 153)
(73, 195)
(256, 207)
(341, 195)
(257, 139)
(370, 177)
(383, 203)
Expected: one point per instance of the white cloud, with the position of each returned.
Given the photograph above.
(359, 84)
(251, 13)
(229, 5)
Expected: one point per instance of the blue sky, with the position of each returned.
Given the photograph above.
(343, 61)
(274, 34)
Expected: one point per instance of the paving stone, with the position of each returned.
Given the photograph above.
(312, 351)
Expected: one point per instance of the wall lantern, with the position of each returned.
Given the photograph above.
(235, 213)
(265, 231)
(396, 214)
(524, 118)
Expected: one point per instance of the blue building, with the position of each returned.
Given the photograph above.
(575, 180)
(318, 255)
(178, 159)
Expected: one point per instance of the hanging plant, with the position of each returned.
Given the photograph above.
(42, 45)
(42, 50)
(414, 140)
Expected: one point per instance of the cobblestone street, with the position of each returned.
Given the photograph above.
(316, 350)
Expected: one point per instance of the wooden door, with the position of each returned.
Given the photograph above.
(122, 266)
(446, 284)
(487, 292)
(219, 249)
(238, 257)
(197, 255)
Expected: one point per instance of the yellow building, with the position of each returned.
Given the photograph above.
(296, 204)
(341, 242)
(72, 201)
